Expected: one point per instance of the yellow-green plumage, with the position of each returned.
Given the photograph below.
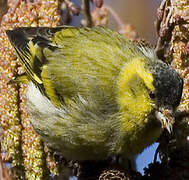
(89, 92)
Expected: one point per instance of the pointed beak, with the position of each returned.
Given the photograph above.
(166, 117)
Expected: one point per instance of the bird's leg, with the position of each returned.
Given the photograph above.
(75, 167)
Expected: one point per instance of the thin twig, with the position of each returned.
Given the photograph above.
(87, 13)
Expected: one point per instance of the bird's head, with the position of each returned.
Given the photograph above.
(149, 87)
(167, 92)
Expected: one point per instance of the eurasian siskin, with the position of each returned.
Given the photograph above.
(92, 93)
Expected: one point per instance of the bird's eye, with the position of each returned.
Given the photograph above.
(152, 95)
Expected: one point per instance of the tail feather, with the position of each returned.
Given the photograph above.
(29, 43)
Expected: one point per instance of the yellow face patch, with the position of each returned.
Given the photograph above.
(133, 86)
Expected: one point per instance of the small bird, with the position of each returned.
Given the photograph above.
(92, 93)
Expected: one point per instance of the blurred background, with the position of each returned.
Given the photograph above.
(141, 14)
